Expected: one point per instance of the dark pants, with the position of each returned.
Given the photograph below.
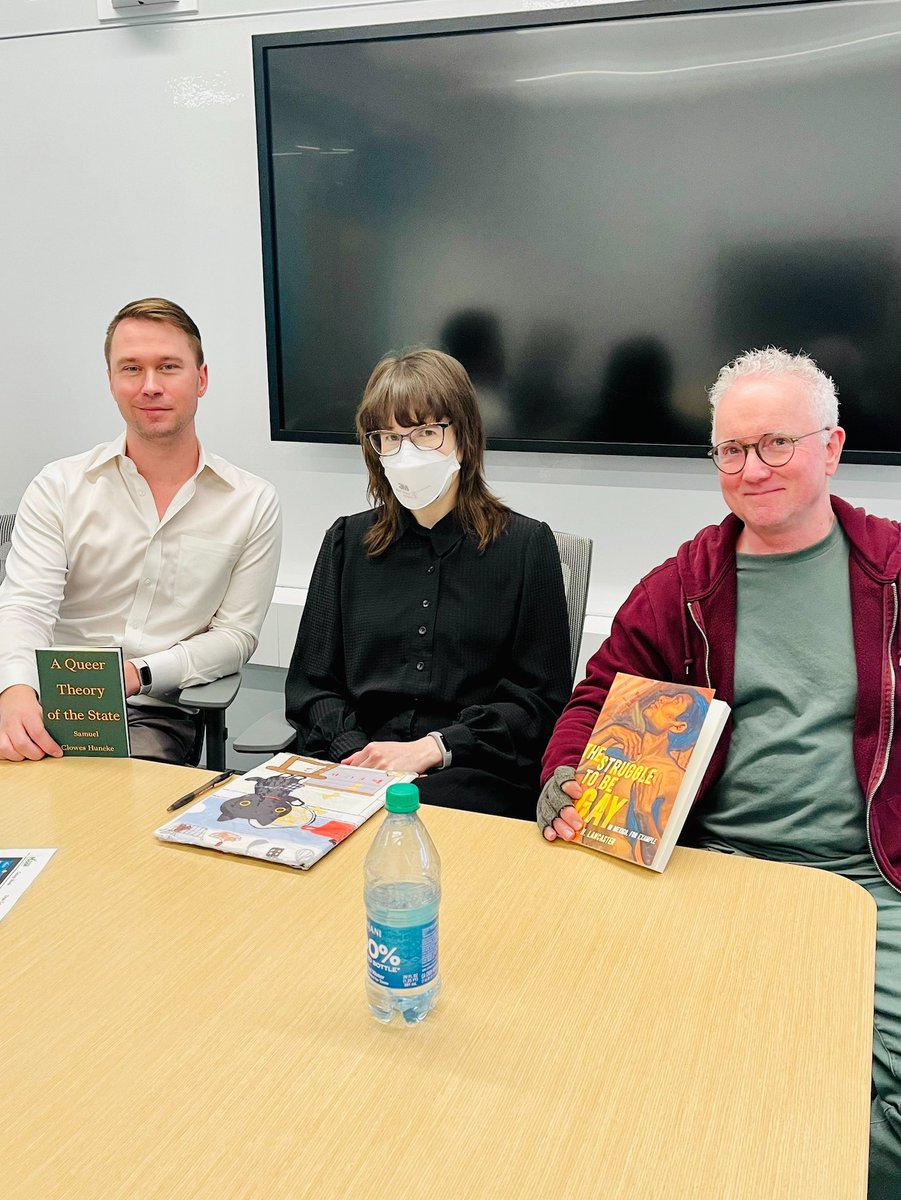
(168, 735)
(478, 791)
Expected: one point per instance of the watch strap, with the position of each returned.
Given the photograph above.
(446, 755)
(144, 674)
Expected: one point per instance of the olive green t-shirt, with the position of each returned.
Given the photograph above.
(789, 790)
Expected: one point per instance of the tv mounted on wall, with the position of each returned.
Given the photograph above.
(592, 208)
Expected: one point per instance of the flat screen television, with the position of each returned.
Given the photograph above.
(592, 208)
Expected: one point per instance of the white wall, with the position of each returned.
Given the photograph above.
(129, 169)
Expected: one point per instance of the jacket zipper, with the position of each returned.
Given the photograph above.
(891, 734)
(691, 613)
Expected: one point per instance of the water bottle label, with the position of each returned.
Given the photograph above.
(403, 958)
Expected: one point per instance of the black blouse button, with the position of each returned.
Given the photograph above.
(432, 569)
(420, 666)
(425, 604)
(422, 629)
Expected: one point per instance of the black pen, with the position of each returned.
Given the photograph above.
(204, 787)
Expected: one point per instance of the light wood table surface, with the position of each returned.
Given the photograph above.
(177, 1022)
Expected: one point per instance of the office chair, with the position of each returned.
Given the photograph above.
(575, 562)
(272, 733)
(212, 699)
(7, 520)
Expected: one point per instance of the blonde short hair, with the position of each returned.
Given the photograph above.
(155, 308)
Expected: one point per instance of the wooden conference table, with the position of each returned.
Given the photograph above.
(182, 1023)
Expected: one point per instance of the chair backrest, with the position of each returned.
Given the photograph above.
(7, 520)
(575, 561)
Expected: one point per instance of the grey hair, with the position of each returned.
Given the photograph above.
(772, 361)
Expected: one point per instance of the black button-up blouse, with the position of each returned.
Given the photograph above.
(433, 635)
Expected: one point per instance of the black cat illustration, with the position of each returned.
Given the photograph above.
(260, 810)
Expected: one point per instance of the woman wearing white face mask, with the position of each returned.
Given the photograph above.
(434, 637)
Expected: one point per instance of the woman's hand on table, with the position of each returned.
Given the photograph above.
(419, 756)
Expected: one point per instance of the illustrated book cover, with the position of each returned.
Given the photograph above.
(643, 765)
(290, 810)
(83, 700)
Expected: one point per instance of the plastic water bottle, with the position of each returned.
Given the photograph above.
(402, 890)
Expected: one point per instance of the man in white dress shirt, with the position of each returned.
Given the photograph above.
(148, 542)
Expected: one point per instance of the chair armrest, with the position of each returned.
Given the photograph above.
(217, 694)
(269, 735)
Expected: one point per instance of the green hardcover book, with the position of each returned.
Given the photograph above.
(83, 698)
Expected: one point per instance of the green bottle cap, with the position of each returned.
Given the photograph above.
(402, 798)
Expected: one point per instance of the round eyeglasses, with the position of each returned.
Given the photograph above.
(773, 449)
(424, 437)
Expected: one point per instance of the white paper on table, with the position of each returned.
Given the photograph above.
(17, 870)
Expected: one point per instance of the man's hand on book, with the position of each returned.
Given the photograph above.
(419, 756)
(22, 732)
(556, 815)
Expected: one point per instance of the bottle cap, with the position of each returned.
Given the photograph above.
(402, 798)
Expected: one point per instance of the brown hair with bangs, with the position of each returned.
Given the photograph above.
(416, 388)
(155, 308)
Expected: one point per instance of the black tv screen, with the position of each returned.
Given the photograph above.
(593, 209)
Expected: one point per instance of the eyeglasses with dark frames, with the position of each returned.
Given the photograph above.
(424, 437)
(773, 449)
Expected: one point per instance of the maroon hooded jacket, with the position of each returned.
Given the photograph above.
(679, 625)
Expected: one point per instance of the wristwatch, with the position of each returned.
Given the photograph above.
(144, 674)
(446, 755)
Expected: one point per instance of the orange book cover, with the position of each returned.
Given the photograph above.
(643, 765)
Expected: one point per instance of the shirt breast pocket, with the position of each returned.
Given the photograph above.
(202, 574)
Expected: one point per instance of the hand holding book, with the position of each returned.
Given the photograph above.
(558, 799)
(640, 771)
(22, 731)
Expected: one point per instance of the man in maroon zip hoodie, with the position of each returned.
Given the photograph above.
(789, 609)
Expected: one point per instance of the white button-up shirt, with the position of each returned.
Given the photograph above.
(93, 564)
